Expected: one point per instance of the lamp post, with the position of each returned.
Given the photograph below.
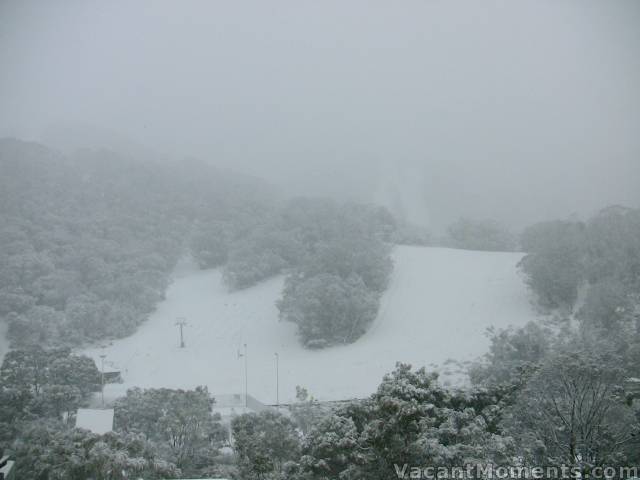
(102, 357)
(277, 379)
(246, 389)
(246, 377)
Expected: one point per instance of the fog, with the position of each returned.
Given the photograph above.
(518, 111)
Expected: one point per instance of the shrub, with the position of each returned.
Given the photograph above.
(555, 265)
(606, 306)
(245, 270)
(263, 254)
(480, 235)
(513, 352)
(613, 245)
(264, 442)
(328, 309)
(367, 258)
(178, 421)
(210, 244)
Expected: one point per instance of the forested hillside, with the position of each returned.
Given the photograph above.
(88, 242)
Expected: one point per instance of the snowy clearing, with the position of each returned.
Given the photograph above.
(439, 303)
(95, 420)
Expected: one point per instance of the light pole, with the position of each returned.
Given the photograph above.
(102, 357)
(246, 379)
(277, 380)
(181, 322)
(246, 391)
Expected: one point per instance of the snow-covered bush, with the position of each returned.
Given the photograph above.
(264, 442)
(328, 309)
(555, 265)
(179, 422)
(480, 235)
(262, 254)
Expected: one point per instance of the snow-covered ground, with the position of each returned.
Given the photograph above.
(439, 303)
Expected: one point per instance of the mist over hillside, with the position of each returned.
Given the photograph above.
(338, 240)
(528, 102)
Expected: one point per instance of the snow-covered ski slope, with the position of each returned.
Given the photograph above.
(439, 303)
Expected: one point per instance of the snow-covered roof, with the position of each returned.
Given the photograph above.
(6, 470)
(97, 421)
(229, 400)
(229, 405)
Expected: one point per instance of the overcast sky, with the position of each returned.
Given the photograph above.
(507, 109)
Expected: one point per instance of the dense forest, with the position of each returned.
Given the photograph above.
(88, 242)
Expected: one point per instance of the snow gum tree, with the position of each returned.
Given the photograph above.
(555, 263)
(51, 450)
(328, 309)
(45, 383)
(264, 443)
(397, 412)
(178, 421)
(572, 412)
(409, 421)
(463, 438)
(331, 450)
(513, 354)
